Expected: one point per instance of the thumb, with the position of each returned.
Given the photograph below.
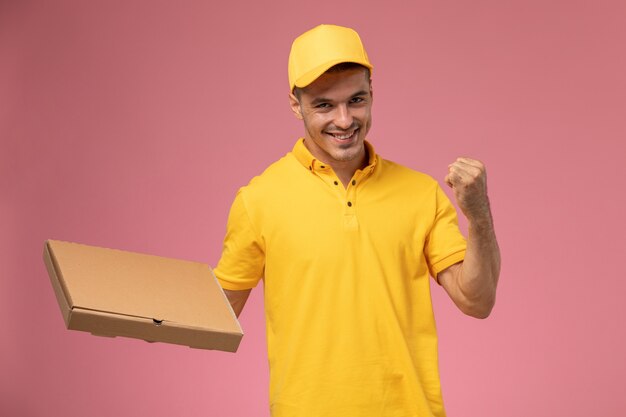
(448, 180)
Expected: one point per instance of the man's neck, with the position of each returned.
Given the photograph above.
(345, 169)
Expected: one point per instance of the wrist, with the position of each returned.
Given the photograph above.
(481, 219)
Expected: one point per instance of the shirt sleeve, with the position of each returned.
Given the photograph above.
(243, 257)
(445, 245)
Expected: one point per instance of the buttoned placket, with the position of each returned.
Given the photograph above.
(347, 195)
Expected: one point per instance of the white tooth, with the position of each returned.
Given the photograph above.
(343, 136)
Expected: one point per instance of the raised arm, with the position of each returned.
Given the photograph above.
(471, 284)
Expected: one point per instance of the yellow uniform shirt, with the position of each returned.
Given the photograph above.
(350, 326)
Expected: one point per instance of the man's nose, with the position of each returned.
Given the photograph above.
(343, 117)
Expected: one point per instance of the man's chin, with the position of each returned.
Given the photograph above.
(346, 155)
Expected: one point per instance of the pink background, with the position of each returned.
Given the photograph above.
(131, 125)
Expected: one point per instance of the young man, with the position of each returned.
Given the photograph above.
(345, 242)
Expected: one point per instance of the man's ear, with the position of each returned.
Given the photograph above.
(294, 103)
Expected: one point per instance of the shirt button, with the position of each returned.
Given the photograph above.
(349, 204)
(353, 182)
(310, 168)
(336, 183)
(322, 166)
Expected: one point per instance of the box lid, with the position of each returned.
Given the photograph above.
(138, 288)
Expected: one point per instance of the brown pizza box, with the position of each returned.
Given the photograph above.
(110, 292)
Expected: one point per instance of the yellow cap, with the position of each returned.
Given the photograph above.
(320, 48)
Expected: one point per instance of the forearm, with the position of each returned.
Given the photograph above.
(478, 276)
(237, 299)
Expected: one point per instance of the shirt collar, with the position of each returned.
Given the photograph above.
(305, 157)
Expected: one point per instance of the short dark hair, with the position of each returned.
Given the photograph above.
(342, 66)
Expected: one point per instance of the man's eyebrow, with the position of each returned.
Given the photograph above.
(319, 100)
(360, 93)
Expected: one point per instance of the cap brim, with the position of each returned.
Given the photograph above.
(317, 72)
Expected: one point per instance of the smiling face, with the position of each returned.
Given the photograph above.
(336, 110)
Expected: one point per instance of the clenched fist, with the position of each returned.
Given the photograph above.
(468, 179)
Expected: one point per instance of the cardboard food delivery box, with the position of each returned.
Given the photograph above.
(110, 292)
